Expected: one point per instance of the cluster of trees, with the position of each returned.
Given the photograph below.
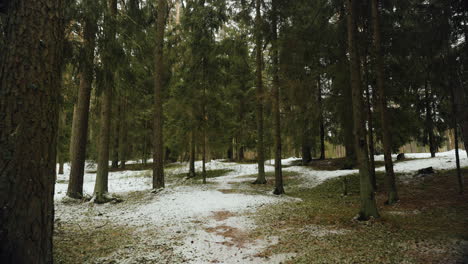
(183, 80)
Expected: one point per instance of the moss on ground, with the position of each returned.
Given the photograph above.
(86, 242)
(427, 226)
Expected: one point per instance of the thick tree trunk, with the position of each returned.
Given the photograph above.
(321, 121)
(30, 80)
(390, 181)
(80, 118)
(279, 189)
(368, 204)
(101, 186)
(158, 152)
(259, 83)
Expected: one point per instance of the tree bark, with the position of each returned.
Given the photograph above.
(305, 144)
(371, 127)
(279, 189)
(461, 180)
(158, 153)
(461, 104)
(30, 80)
(368, 204)
(192, 173)
(61, 140)
(390, 181)
(80, 118)
(429, 120)
(123, 133)
(321, 120)
(72, 134)
(115, 136)
(101, 186)
(259, 94)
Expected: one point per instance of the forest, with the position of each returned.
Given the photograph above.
(233, 131)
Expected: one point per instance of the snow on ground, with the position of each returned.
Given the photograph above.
(201, 223)
(442, 161)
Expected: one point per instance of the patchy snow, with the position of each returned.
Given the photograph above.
(450, 154)
(119, 182)
(201, 223)
(442, 161)
(285, 162)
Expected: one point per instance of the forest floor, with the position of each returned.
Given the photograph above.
(229, 220)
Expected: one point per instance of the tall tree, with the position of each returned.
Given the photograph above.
(368, 204)
(390, 182)
(30, 80)
(259, 95)
(101, 186)
(321, 118)
(158, 153)
(279, 189)
(81, 115)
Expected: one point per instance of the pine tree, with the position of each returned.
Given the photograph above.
(368, 205)
(276, 101)
(29, 105)
(259, 95)
(158, 154)
(81, 115)
(390, 181)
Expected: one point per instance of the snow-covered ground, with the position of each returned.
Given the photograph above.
(202, 223)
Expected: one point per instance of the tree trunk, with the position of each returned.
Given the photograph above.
(305, 144)
(123, 133)
(461, 104)
(30, 80)
(204, 122)
(115, 146)
(279, 189)
(101, 186)
(461, 180)
(368, 204)
(259, 94)
(72, 133)
(80, 118)
(390, 181)
(371, 127)
(192, 173)
(429, 120)
(342, 84)
(204, 156)
(158, 152)
(61, 150)
(351, 159)
(321, 121)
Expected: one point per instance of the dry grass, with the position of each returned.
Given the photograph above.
(430, 226)
(86, 242)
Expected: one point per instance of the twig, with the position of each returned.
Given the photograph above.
(102, 225)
